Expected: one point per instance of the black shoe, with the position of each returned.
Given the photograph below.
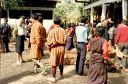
(82, 74)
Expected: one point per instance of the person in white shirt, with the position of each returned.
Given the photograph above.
(20, 37)
(81, 33)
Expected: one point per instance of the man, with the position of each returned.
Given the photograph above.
(40, 19)
(81, 32)
(56, 45)
(37, 40)
(122, 41)
(5, 30)
(111, 34)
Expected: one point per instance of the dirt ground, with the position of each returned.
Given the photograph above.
(12, 74)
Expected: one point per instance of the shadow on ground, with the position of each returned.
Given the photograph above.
(117, 80)
(15, 77)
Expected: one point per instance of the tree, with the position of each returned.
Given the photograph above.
(69, 11)
(5, 4)
(11, 3)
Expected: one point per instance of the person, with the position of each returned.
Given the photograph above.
(97, 73)
(121, 41)
(92, 31)
(111, 34)
(0, 43)
(51, 27)
(19, 33)
(81, 33)
(37, 40)
(105, 25)
(114, 34)
(6, 29)
(56, 42)
(40, 19)
(28, 33)
(70, 33)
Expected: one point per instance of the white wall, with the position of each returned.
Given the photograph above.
(46, 23)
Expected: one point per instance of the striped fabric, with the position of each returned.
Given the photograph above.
(56, 42)
(37, 39)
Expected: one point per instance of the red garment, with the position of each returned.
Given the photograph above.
(71, 31)
(104, 48)
(122, 34)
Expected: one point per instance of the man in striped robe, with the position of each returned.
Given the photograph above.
(56, 45)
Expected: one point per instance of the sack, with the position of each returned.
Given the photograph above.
(15, 32)
(118, 52)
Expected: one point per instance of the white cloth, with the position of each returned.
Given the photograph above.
(111, 32)
(21, 31)
(21, 28)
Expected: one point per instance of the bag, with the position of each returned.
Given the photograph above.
(118, 52)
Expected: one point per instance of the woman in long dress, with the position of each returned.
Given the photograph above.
(99, 55)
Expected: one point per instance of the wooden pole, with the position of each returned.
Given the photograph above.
(91, 17)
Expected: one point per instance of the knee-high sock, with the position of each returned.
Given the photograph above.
(61, 67)
(54, 71)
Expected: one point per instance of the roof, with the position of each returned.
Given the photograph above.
(41, 3)
(99, 2)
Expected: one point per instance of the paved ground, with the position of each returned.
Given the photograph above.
(11, 74)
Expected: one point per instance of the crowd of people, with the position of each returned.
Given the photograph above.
(96, 38)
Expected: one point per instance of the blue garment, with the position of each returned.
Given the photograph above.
(81, 34)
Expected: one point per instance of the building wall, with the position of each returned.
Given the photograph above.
(12, 22)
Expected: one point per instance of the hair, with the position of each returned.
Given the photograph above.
(83, 19)
(6, 19)
(94, 24)
(23, 17)
(40, 19)
(34, 16)
(57, 21)
(100, 31)
(71, 25)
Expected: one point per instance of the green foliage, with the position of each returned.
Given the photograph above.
(12, 3)
(69, 11)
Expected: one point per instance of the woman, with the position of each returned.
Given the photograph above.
(20, 37)
(99, 55)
